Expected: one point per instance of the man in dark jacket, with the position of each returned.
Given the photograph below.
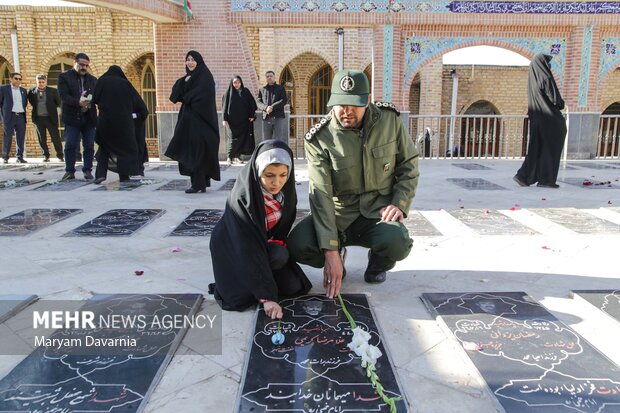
(76, 87)
(45, 101)
(271, 100)
(13, 106)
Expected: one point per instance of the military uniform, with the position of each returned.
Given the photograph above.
(354, 173)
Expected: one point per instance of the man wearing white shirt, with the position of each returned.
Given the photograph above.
(13, 110)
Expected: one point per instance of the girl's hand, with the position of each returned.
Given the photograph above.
(273, 310)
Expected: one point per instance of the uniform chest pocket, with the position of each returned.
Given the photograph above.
(343, 163)
(383, 151)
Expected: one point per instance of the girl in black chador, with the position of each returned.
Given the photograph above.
(248, 245)
(196, 137)
(239, 112)
(547, 127)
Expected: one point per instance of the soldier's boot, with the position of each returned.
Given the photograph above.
(376, 271)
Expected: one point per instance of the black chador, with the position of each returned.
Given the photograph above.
(118, 149)
(547, 126)
(196, 138)
(239, 106)
(241, 252)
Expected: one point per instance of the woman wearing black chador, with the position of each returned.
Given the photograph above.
(251, 262)
(196, 139)
(239, 112)
(547, 127)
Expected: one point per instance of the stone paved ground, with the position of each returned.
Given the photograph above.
(475, 247)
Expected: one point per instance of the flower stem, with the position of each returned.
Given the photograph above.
(370, 368)
(346, 313)
(279, 319)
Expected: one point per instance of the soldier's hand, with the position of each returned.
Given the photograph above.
(332, 273)
(392, 213)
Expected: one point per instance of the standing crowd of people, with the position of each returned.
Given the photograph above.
(118, 126)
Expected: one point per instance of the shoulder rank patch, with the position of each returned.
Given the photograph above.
(314, 129)
(388, 106)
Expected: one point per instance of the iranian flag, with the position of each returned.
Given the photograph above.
(188, 8)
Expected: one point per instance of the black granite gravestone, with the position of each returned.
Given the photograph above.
(578, 221)
(18, 183)
(608, 301)
(478, 184)
(30, 220)
(11, 304)
(228, 185)
(472, 166)
(314, 370)
(597, 165)
(589, 183)
(565, 166)
(490, 222)
(165, 167)
(117, 222)
(530, 360)
(72, 379)
(419, 226)
(175, 185)
(69, 185)
(199, 223)
(32, 168)
(126, 185)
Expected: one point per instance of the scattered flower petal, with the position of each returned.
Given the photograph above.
(138, 272)
(543, 199)
(608, 202)
(470, 346)
(545, 247)
(175, 249)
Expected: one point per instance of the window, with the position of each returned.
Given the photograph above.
(149, 94)
(56, 69)
(6, 74)
(319, 90)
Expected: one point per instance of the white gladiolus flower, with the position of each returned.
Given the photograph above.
(372, 353)
(360, 346)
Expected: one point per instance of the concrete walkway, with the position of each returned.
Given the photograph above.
(437, 376)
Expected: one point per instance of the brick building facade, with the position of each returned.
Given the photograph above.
(398, 43)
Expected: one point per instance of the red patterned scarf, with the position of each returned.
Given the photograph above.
(273, 211)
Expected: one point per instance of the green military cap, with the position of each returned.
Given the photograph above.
(349, 88)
